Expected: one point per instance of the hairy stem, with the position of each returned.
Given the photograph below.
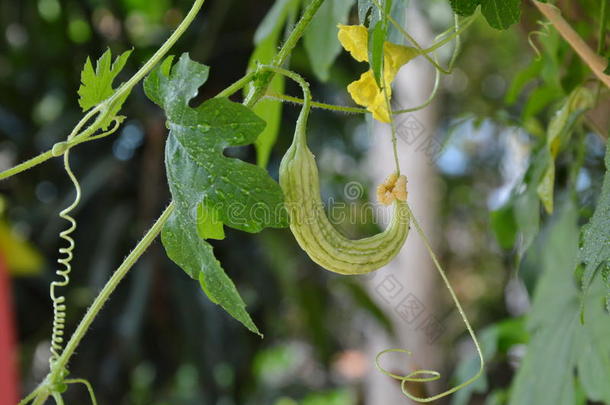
(596, 63)
(105, 293)
(28, 164)
(262, 83)
(297, 32)
(161, 52)
(316, 104)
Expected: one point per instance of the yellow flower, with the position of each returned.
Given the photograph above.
(393, 188)
(365, 91)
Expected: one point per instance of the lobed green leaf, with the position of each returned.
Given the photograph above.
(96, 84)
(209, 189)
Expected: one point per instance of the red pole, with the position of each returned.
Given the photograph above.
(9, 380)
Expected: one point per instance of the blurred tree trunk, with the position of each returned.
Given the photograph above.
(404, 288)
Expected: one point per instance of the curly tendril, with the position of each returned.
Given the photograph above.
(87, 385)
(66, 252)
(544, 31)
(66, 255)
(432, 375)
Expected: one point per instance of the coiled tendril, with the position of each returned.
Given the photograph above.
(544, 31)
(421, 376)
(66, 255)
(66, 252)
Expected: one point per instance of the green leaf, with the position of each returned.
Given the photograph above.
(203, 181)
(244, 195)
(464, 8)
(560, 346)
(595, 250)
(320, 39)
(558, 135)
(96, 85)
(546, 187)
(539, 99)
(377, 37)
(397, 11)
(521, 79)
(196, 257)
(501, 14)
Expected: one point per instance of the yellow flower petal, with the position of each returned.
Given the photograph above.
(355, 40)
(364, 90)
(366, 93)
(395, 56)
(379, 108)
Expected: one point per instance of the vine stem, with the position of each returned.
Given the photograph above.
(76, 136)
(595, 62)
(108, 289)
(262, 84)
(28, 164)
(316, 104)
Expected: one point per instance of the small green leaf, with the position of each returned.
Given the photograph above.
(464, 8)
(521, 79)
(501, 14)
(320, 39)
(558, 134)
(96, 85)
(546, 187)
(377, 37)
(209, 225)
